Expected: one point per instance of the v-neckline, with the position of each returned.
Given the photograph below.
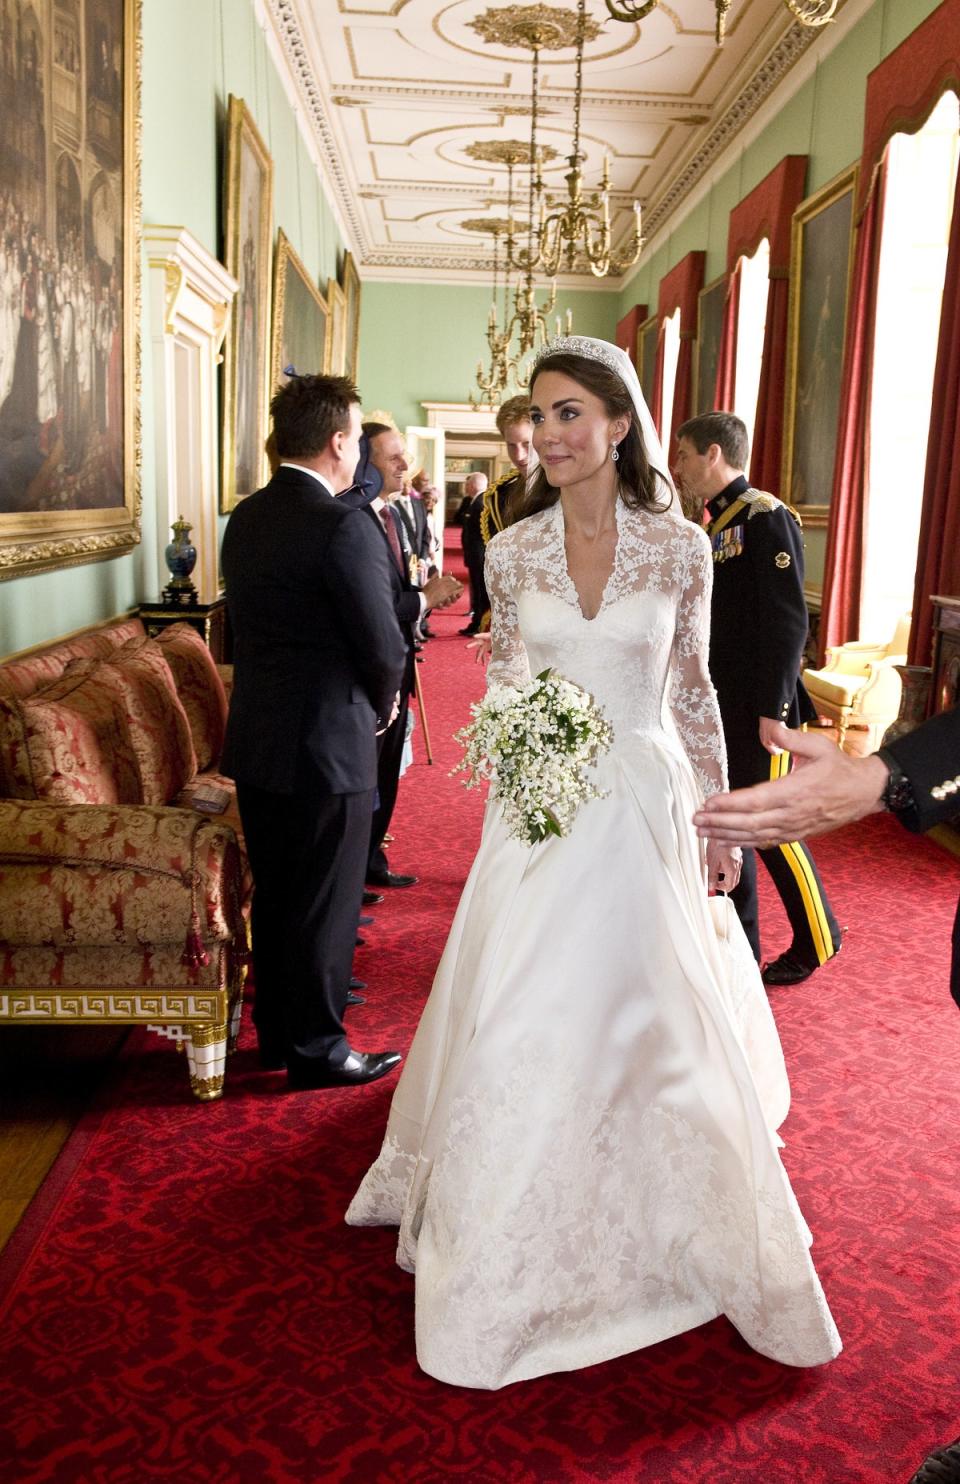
(573, 591)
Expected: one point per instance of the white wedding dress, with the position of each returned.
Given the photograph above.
(581, 1152)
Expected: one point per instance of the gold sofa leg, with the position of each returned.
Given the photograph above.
(206, 1055)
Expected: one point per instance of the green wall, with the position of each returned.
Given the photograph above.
(194, 56)
(823, 119)
(421, 342)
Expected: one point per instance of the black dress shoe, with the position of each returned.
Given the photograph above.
(393, 878)
(469, 631)
(789, 968)
(358, 983)
(355, 999)
(366, 921)
(371, 898)
(359, 1067)
(273, 1054)
(360, 942)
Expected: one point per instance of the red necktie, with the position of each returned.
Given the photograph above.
(393, 540)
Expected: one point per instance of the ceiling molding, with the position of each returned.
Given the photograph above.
(398, 169)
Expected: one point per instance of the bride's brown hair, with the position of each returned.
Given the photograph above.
(642, 486)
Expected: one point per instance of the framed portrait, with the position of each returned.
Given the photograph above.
(647, 355)
(710, 302)
(301, 319)
(338, 328)
(248, 211)
(69, 285)
(821, 265)
(351, 292)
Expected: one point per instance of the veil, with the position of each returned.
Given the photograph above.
(617, 361)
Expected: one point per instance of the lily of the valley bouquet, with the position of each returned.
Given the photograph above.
(534, 745)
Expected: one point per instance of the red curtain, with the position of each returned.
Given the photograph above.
(768, 428)
(727, 359)
(626, 337)
(656, 402)
(938, 563)
(843, 566)
(680, 289)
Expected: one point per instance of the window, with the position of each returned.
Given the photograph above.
(751, 323)
(921, 175)
(671, 355)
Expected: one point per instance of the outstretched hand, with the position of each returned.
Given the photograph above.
(825, 788)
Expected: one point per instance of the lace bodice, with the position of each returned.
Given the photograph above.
(643, 656)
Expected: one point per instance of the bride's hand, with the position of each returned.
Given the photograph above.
(482, 643)
(723, 865)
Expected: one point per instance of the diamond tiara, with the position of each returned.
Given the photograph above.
(581, 345)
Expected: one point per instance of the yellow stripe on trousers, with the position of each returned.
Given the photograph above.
(796, 858)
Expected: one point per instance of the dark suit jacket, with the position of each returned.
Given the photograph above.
(405, 597)
(758, 614)
(415, 526)
(318, 652)
(930, 758)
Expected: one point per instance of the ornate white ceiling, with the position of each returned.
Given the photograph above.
(397, 90)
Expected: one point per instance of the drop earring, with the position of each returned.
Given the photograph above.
(614, 453)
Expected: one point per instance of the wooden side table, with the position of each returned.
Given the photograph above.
(209, 620)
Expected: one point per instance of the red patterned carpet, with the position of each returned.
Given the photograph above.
(183, 1301)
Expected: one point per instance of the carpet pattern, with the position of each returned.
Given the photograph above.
(183, 1301)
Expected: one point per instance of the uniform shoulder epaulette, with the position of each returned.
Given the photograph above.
(760, 502)
(491, 516)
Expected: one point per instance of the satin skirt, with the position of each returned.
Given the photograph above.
(581, 1154)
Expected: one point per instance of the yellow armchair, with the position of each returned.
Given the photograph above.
(859, 688)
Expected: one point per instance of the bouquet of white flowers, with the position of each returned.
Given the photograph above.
(534, 746)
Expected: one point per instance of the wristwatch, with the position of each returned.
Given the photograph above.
(897, 796)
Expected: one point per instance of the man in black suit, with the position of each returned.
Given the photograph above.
(474, 488)
(916, 777)
(758, 629)
(318, 660)
(384, 464)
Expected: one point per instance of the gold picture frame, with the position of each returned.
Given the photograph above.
(337, 300)
(822, 243)
(70, 439)
(352, 290)
(710, 304)
(248, 215)
(301, 318)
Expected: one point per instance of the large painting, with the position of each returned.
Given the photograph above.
(710, 302)
(248, 209)
(821, 263)
(337, 300)
(301, 321)
(647, 356)
(351, 293)
(69, 283)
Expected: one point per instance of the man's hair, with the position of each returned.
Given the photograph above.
(477, 480)
(420, 481)
(514, 410)
(723, 428)
(373, 430)
(308, 411)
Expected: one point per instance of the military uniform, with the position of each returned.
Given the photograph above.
(757, 633)
(499, 511)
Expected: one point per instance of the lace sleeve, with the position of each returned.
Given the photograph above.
(693, 700)
(508, 659)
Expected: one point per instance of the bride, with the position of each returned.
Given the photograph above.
(581, 1153)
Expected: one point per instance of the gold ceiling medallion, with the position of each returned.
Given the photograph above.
(542, 26)
(811, 13)
(509, 152)
(493, 226)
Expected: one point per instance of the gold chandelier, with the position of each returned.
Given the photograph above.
(808, 12)
(518, 328)
(577, 225)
